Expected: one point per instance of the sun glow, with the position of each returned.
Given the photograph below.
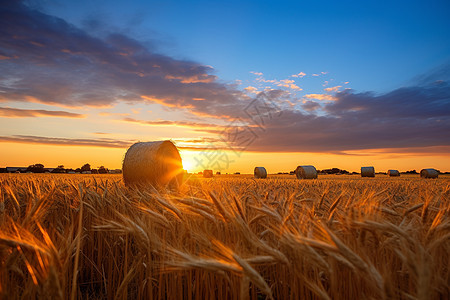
(188, 164)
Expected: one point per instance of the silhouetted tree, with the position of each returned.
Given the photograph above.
(59, 169)
(102, 170)
(36, 168)
(411, 172)
(86, 167)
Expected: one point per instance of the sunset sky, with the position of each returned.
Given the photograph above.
(235, 84)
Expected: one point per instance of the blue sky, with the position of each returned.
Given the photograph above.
(346, 79)
(375, 45)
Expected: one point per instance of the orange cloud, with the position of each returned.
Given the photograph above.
(299, 75)
(333, 89)
(295, 87)
(204, 78)
(320, 97)
(165, 103)
(289, 84)
(187, 124)
(251, 89)
(107, 114)
(286, 82)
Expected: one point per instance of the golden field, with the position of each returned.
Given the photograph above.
(229, 237)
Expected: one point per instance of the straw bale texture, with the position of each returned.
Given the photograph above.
(208, 173)
(429, 173)
(260, 172)
(367, 172)
(393, 173)
(155, 163)
(306, 172)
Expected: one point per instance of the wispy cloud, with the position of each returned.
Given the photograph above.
(299, 75)
(319, 74)
(197, 125)
(108, 114)
(320, 97)
(333, 89)
(8, 112)
(288, 83)
(285, 84)
(251, 89)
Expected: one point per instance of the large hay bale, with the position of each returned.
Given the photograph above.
(306, 172)
(154, 163)
(429, 173)
(208, 173)
(260, 172)
(393, 173)
(367, 172)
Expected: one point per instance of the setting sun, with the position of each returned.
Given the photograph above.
(188, 161)
(187, 165)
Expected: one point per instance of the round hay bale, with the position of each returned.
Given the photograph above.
(260, 172)
(153, 163)
(429, 173)
(208, 173)
(393, 173)
(367, 172)
(306, 172)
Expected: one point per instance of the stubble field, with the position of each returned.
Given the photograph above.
(229, 237)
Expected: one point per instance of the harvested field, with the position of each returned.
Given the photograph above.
(227, 237)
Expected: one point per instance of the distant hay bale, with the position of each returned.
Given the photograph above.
(429, 173)
(208, 173)
(367, 172)
(260, 172)
(153, 163)
(306, 172)
(393, 173)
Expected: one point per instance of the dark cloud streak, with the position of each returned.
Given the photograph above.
(174, 123)
(8, 112)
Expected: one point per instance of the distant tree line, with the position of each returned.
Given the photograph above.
(40, 168)
(334, 171)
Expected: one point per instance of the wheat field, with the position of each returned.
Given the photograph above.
(227, 237)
